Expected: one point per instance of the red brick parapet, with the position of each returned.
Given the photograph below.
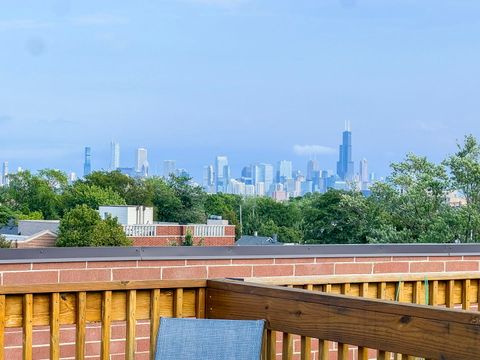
(88, 271)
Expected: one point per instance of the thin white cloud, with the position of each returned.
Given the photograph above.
(221, 3)
(431, 126)
(23, 24)
(36, 153)
(305, 150)
(99, 20)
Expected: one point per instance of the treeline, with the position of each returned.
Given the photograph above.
(410, 206)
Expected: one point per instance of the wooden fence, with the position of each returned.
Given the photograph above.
(416, 330)
(54, 307)
(81, 304)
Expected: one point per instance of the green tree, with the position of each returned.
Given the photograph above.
(134, 191)
(28, 193)
(91, 195)
(268, 217)
(4, 243)
(109, 232)
(227, 206)
(177, 200)
(82, 226)
(6, 214)
(411, 206)
(464, 167)
(188, 241)
(336, 217)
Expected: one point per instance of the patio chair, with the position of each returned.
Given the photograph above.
(205, 339)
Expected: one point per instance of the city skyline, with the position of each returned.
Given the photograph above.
(276, 83)
(279, 172)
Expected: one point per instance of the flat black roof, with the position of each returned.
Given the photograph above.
(231, 252)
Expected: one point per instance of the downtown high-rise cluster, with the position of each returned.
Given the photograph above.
(141, 168)
(283, 182)
(280, 181)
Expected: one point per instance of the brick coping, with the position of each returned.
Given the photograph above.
(42, 255)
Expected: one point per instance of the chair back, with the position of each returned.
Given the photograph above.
(205, 339)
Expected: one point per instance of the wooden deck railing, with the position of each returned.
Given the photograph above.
(126, 303)
(93, 314)
(416, 330)
(452, 290)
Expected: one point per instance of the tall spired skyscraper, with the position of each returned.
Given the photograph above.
(345, 166)
(87, 164)
(115, 155)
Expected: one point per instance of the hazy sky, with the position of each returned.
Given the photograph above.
(190, 79)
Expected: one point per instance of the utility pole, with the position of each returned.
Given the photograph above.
(241, 221)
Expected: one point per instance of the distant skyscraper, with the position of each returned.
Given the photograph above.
(247, 176)
(364, 174)
(209, 178)
(115, 155)
(169, 167)
(247, 172)
(312, 167)
(222, 174)
(284, 171)
(256, 172)
(262, 173)
(72, 177)
(267, 172)
(5, 173)
(345, 166)
(87, 164)
(142, 161)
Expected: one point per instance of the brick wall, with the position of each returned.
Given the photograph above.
(42, 241)
(167, 235)
(82, 271)
(88, 271)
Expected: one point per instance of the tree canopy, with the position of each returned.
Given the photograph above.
(411, 205)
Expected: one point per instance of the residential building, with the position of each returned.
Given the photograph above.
(138, 224)
(250, 190)
(279, 193)
(260, 188)
(128, 214)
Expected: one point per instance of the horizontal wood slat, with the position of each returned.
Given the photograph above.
(102, 286)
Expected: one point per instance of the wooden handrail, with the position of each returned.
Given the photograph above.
(369, 278)
(101, 286)
(403, 328)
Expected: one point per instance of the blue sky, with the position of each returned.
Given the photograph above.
(190, 79)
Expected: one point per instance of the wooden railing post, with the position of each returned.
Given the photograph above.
(27, 326)
(81, 324)
(55, 326)
(106, 324)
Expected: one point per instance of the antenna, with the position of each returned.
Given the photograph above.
(348, 125)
